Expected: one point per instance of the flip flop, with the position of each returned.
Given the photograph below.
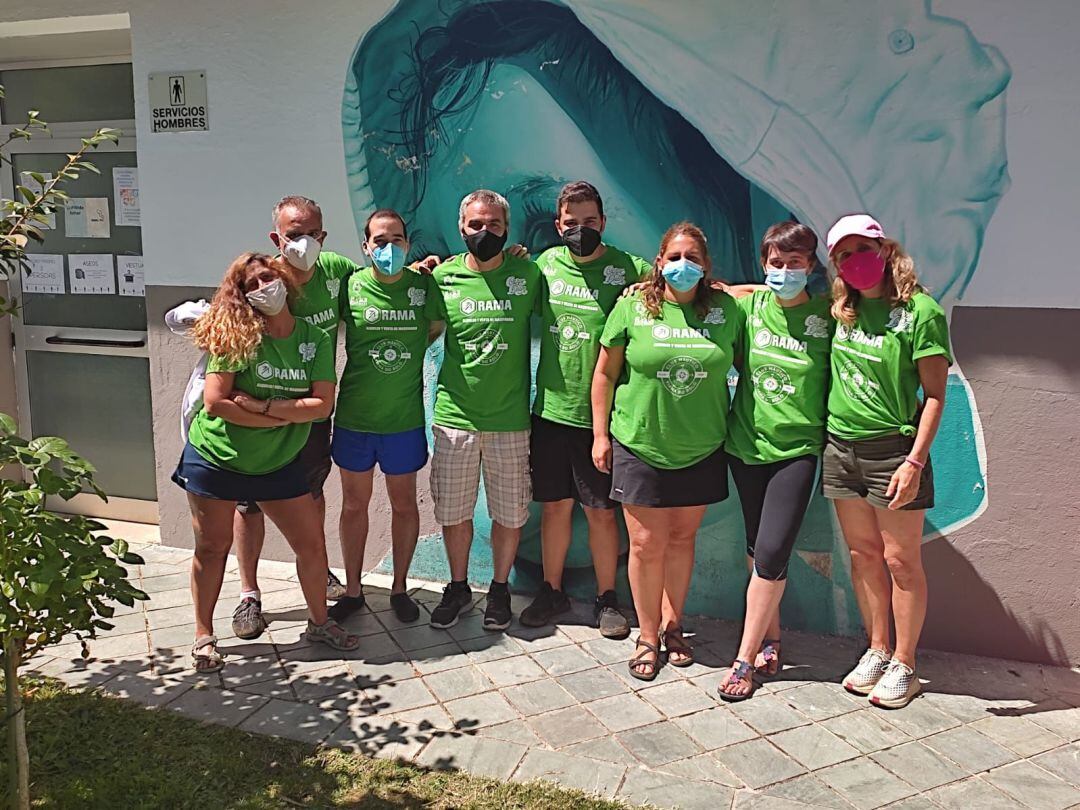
(740, 671)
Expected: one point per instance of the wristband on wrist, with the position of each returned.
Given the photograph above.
(914, 462)
(266, 408)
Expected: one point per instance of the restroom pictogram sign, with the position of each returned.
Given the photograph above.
(178, 101)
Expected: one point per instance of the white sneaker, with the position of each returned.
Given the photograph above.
(897, 686)
(867, 672)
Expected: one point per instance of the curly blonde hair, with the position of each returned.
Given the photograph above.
(901, 283)
(653, 294)
(232, 328)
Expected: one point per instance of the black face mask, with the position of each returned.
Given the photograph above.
(485, 245)
(582, 241)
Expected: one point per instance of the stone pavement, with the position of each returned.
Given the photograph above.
(559, 704)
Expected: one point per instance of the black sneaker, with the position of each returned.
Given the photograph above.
(345, 607)
(455, 598)
(334, 588)
(404, 607)
(497, 615)
(548, 604)
(247, 619)
(609, 618)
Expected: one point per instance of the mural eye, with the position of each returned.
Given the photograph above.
(539, 233)
(901, 41)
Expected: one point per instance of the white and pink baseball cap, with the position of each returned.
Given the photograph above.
(854, 225)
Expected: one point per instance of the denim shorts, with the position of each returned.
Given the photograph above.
(200, 477)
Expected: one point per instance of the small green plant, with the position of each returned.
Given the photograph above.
(59, 576)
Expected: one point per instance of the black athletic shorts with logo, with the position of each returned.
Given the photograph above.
(314, 458)
(560, 457)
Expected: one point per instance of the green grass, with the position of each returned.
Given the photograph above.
(91, 750)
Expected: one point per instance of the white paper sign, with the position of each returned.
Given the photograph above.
(129, 270)
(91, 274)
(87, 218)
(26, 180)
(46, 273)
(125, 182)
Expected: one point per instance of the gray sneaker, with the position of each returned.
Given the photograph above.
(609, 619)
(897, 686)
(247, 620)
(867, 672)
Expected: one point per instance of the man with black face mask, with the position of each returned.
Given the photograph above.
(583, 278)
(486, 297)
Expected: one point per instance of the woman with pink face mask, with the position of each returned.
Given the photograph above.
(891, 339)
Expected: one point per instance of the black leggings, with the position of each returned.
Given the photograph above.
(774, 498)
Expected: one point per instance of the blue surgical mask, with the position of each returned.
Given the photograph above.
(787, 284)
(683, 274)
(388, 259)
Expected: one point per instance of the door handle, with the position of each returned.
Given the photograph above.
(53, 340)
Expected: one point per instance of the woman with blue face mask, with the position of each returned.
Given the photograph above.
(662, 376)
(776, 435)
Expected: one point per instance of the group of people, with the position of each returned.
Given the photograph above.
(632, 410)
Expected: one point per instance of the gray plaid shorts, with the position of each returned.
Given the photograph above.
(459, 457)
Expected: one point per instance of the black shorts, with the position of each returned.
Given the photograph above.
(560, 457)
(315, 461)
(863, 469)
(638, 483)
(200, 477)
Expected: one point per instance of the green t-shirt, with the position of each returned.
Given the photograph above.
(875, 380)
(382, 386)
(671, 406)
(779, 406)
(283, 368)
(574, 305)
(484, 380)
(317, 302)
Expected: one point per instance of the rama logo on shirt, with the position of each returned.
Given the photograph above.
(319, 318)
(764, 338)
(265, 371)
(857, 335)
(560, 287)
(374, 315)
(469, 306)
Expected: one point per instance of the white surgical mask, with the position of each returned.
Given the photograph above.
(270, 298)
(302, 252)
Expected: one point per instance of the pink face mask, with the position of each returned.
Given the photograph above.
(863, 270)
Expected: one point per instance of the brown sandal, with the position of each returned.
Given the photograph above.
(639, 659)
(740, 671)
(679, 647)
(206, 663)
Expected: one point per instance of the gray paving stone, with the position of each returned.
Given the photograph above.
(965, 708)
(813, 746)
(758, 763)
(746, 800)
(145, 689)
(536, 639)
(820, 701)
(512, 671)
(668, 791)
(606, 749)
(469, 626)
(419, 637)
(768, 714)
(919, 766)
(623, 712)
(919, 719)
(538, 697)
(972, 751)
(607, 651)
(324, 683)
(715, 728)
(678, 698)
(515, 731)
(375, 672)
(487, 709)
(457, 683)
(866, 729)
(1064, 761)
(913, 803)
(589, 775)
(565, 660)
(808, 790)
(592, 684)
(490, 647)
(218, 706)
(439, 658)
(1031, 785)
(973, 792)
(865, 784)
(1020, 734)
(658, 744)
(294, 721)
(664, 675)
(254, 669)
(496, 759)
(426, 719)
(397, 696)
(703, 768)
(566, 727)
(1060, 718)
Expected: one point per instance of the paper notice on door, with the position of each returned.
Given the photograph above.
(36, 188)
(45, 274)
(129, 270)
(87, 218)
(125, 180)
(91, 274)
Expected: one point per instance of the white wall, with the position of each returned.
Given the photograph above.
(276, 73)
